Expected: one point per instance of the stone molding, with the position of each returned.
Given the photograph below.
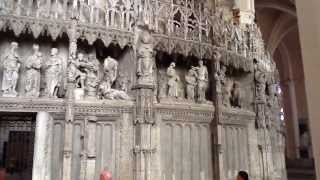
(185, 113)
(234, 116)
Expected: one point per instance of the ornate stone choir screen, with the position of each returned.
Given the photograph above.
(146, 89)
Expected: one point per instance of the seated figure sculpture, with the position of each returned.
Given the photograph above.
(110, 67)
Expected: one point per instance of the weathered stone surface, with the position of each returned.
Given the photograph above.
(140, 94)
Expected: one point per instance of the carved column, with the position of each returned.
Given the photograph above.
(216, 127)
(42, 147)
(69, 116)
(144, 149)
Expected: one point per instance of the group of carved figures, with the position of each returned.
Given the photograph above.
(83, 72)
(197, 81)
(34, 64)
(230, 96)
(267, 98)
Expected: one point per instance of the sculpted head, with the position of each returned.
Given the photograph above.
(92, 56)
(173, 64)
(14, 45)
(35, 47)
(80, 56)
(54, 51)
(223, 68)
(200, 63)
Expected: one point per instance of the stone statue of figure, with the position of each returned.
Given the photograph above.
(92, 76)
(11, 66)
(235, 95)
(173, 79)
(202, 81)
(191, 80)
(145, 64)
(33, 65)
(53, 73)
(260, 79)
(75, 73)
(260, 97)
(110, 67)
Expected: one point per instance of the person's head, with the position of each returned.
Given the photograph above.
(173, 65)
(242, 175)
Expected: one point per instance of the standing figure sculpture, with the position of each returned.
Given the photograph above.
(236, 95)
(203, 79)
(260, 99)
(92, 76)
(53, 73)
(33, 65)
(145, 64)
(11, 66)
(173, 79)
(191, 80)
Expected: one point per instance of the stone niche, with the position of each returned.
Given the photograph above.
(24, 51)
(186, 80)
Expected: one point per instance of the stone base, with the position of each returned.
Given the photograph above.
(12, 94)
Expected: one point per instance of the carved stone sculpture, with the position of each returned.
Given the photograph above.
(223, 86)
(78, 70)
(110, 67)
(260, 79)
(33, 65)
(203, 79)
(173, 79)
(111, 94)
(260, 82)
(11, 66)
(191, 80)
(145, 64)
(92, 76)
(236, 95)
(53, 73)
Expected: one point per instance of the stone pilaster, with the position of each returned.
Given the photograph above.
(69, 116)
(144, 120)
(216, 127)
